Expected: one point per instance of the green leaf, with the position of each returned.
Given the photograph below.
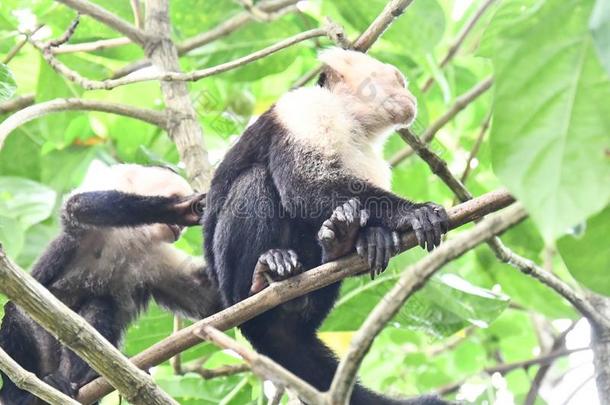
(7, 83)
(552, 116)
(25, 200)
(599, 24)
(12, 235)
(587, 256)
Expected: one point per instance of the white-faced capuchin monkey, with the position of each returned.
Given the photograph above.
(114, 254)
(316, 149)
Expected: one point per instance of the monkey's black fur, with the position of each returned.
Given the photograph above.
(110, 299)
(263, 196)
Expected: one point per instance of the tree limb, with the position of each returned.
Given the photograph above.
(277, 7)
(261, 365)
(29, 382)
(74, 332)
(106, 17)
(92, 46)
(475, 149)
(223, 371)
(411, 280)
(460, 103)
(17, 103)
(286, 290)
(27, 114)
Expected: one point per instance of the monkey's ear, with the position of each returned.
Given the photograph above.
(329, 77)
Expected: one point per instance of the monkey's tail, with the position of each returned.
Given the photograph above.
(306, 356)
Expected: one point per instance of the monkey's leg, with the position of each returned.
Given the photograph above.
(115, 208)
(74, 371)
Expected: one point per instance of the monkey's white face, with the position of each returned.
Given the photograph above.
(375, 92)
(141, 180)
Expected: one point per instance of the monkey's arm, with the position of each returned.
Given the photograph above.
(313, 198)
(115, 208)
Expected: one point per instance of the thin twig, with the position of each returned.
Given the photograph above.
(138, 14)
(223, 371)
(173, 76)
(65, 37)
(28, 381)
(17, 103)
(411, 280)
(277, 7)
(92, 46)
(176, 361)
(291, 288)
(457, 43)
(262, 366)
(461, 102)
(74, 332)
(108, 18)
(475, 149)
(15, 50)
(76, 104)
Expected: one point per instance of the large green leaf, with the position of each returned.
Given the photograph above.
(587, 256)
(7, 83)
(600, 28)
(27, 201)
(552, 116)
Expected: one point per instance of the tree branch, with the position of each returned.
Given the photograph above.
(17, 103)
(92, 46)
(261, 365)
(108, 18)
(27, 114)
(29, 382)
(526, 266)
(411, 280)
(457, 43)
(286, 290)
(277, 7)
(475, 149)
(223, 371)
(74, 332)
(460, 103)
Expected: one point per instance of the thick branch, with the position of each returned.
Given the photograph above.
(460, 103)
(277, 7)
(108, 18)
(283, 291)
(76, 104)
(263, 366)
(439, 167)
(411, 280)
(457, 43)
(600, 343)
(29, 382)
(74, 332)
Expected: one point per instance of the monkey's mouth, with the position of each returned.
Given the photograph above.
(176, 231)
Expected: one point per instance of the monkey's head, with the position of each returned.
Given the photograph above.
(141, 180)
(375, 92)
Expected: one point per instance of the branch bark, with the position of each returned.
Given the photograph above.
(29, 382)
(108, 18)
(461, 102)
(74, 332)
(92, 46)
(411, 280)
(27, 114)
(17, 103)
(183, 126)
(283, 291)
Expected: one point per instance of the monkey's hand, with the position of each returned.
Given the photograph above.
(189, 210)
(429, 221)
(377, 245)
(337, 236)
(274, 265)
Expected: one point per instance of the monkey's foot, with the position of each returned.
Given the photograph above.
(377, 245)
(274, 265)
(337, 236)
(429, 221)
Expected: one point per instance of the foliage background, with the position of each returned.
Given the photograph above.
(548, 143)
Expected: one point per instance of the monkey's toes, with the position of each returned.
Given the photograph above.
(337, 235)
(274, 265)
(430, 222)
(377, 245)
